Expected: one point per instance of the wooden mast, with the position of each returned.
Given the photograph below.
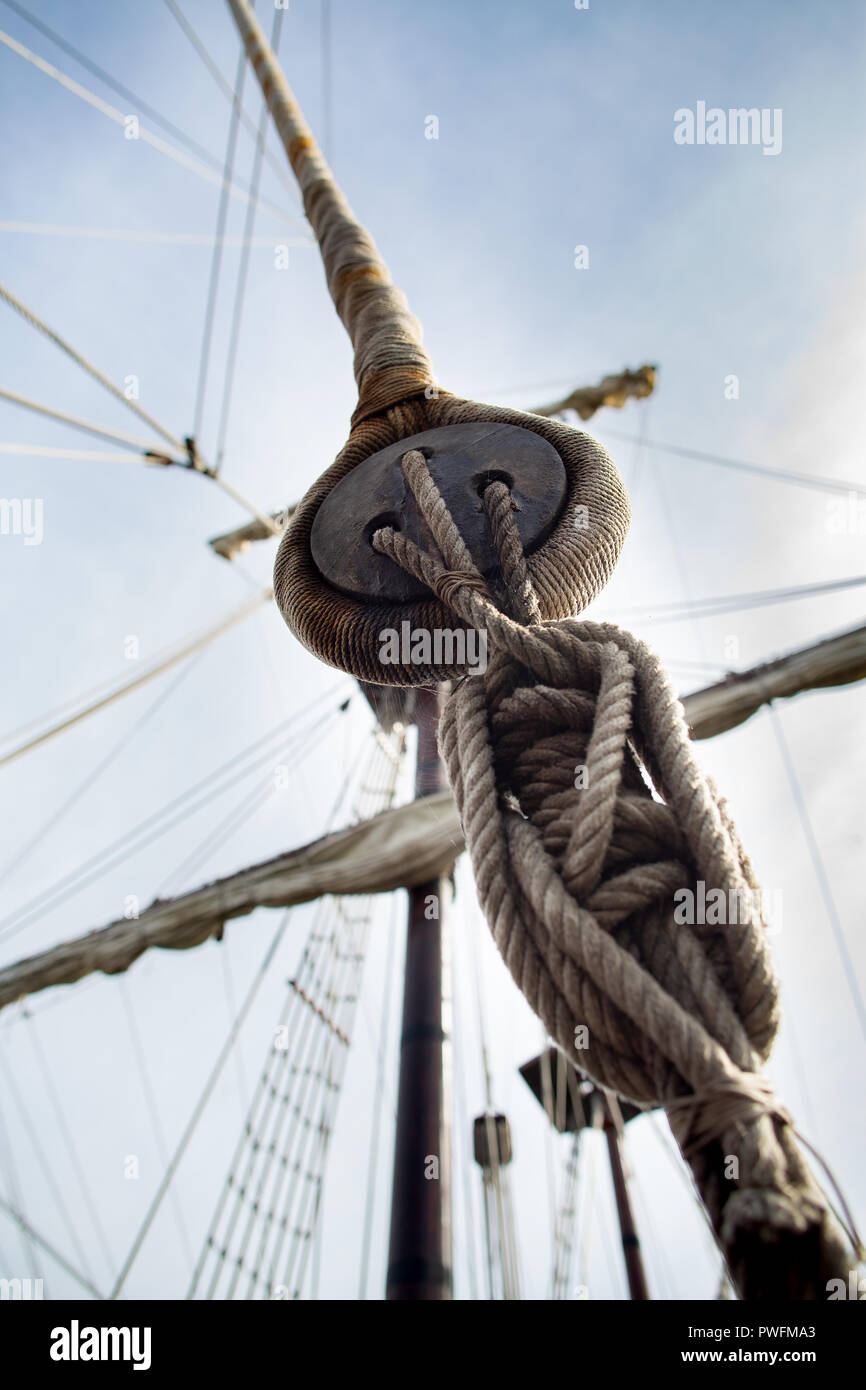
(419, 1259)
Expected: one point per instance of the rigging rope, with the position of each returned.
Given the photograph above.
(186, 447)
(51, 452)
(24, 851)
(587, 1216)
(327, 102)
(380, 1052)
(466, 1243)
(7, 1160)
(153, 238)
(33, 1235)
(331, 1023)
(139, 446)
(243, 269)
(315, 1084)
(42, 327)
(378, 796)
(779, 475)
(293, 754)
(275, 1175)
(226, 89)
(231, 1188)
(184, 160)
(500, 1231)
(138, 102)
(153, 1111)
(848, 967)
(158, 823)
(736, 603)
(68, 1140)
(199, 1108)
(47, 1167)
(566, 1224)
(697, 631)
(158, 669)
(216, 254)
(267, 1172)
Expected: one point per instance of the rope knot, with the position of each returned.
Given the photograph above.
(449, 583)
(735, 1102)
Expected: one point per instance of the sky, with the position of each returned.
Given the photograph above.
(740, 274)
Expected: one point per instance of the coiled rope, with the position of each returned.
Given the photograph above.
(577, 883)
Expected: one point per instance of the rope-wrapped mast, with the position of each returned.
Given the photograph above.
(390, 362)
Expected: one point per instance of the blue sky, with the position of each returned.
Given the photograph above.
(555, 129)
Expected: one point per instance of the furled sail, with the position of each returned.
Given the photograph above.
(397, 849)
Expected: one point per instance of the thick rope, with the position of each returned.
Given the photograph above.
(551, 754)
(390, 362)
(41, 327)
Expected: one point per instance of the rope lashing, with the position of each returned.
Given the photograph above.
(551, 753)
